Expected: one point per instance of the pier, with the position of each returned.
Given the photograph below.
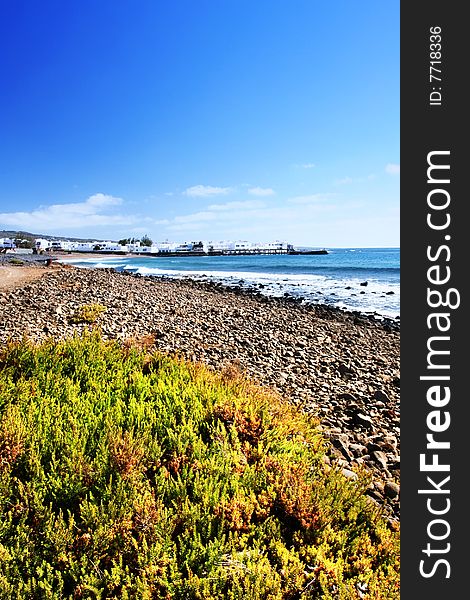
(171, 254)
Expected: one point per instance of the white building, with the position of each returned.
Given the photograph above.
(277, 245)
(112, 247)
(145, 250)
(165, 246)
(64, 245)
(42, 245)
(220, 245)
(84, 246)
(7, 244)
(184, 247)
(244, 245)
(133, 246)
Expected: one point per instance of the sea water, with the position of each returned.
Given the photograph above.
(358, 279)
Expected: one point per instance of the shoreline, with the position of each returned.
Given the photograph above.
(340, 367)
(241, 283)
(33, 261)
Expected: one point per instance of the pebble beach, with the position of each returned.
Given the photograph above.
(338, 366)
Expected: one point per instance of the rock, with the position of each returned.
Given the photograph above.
(343, 448)
(362, 420)
(380, 458)
(349, 474)
(389, 444)
(381, 396)
(364, 283)
(391, 489)
(357, 449)
(347, 396)
(345, 371)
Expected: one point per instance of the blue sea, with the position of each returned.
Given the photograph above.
(360, 279)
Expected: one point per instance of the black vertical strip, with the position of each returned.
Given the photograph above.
(434, 268)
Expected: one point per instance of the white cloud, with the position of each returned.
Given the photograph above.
(344, 181)
(321, 219)
(102, 200)
(309, 199)
(259, 191)
(138, 230)
(348, 180)
(74, 215)
(243, 204)
(392, 169)
(196, 217)
(206, 190)
(197, 228)
(235, 219)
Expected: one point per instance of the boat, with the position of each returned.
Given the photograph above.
(307, 252)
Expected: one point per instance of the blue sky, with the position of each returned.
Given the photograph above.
(210, 119)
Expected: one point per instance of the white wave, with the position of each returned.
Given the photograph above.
(102, 264)
(380, 297)
(348, 293)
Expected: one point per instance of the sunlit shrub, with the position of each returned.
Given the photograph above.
(87, 313)
(126, 474)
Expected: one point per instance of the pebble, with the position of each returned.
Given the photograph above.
(391, 489)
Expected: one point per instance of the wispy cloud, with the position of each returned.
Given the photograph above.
(259, 191)
(196, 217)
(309, 199)
(392, 169)
(308, 165)
(316, 219)
(94, 211)
(235, 219)
(349, 180)
(206, 190)
(344, 181)
(236, 205)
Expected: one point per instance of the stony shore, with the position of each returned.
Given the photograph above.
(338, 366)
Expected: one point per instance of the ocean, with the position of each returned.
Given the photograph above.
(357, 279)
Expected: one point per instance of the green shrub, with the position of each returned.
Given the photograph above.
(87, 313)
(131, 475)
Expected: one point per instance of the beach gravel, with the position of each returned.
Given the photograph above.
(340, 367)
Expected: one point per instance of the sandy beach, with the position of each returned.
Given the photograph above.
(340, 367)
(11, 277)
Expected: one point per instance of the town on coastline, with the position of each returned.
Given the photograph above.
(148, 247)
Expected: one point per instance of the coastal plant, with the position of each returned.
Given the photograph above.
(131, 474)
(87, 313)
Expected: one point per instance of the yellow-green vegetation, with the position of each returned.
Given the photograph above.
(129, 474)
(87, 313)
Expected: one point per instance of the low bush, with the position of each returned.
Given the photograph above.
(129, 474)
(87, 313)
